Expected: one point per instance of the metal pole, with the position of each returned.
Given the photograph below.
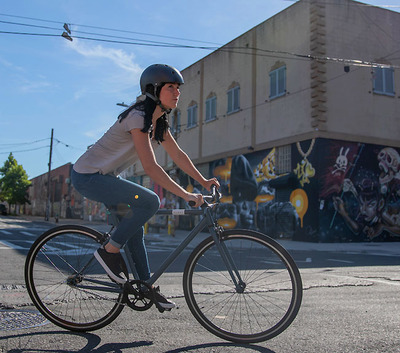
(47, 216)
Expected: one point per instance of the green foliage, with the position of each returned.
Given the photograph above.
(14, 182)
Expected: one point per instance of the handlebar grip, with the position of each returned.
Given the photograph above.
(215, 196)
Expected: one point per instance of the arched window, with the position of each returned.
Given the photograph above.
(175, 123)
(277, 81)
(211, 107)
(192, 115)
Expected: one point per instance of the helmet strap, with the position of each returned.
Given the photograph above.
(158, 102)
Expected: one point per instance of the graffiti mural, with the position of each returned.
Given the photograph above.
(249, 200)
(360, 192)
(336, 191)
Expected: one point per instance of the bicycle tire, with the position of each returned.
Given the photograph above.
(270, 300)
(64, 293)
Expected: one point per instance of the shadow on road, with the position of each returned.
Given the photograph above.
(26, 344)
(226, 345)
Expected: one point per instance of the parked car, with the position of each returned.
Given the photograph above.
(3, 210)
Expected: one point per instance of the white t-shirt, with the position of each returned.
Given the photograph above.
(115, 150)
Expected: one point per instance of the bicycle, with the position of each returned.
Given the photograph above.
(240, 285)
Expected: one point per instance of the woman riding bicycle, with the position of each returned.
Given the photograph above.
(138, 130)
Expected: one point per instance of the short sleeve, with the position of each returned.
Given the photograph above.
(134, 120)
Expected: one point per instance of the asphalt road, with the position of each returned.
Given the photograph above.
(350, 304)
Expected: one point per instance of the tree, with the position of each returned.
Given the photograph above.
(14, 182)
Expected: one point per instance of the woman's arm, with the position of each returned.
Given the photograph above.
(183, 161)
(155, 171)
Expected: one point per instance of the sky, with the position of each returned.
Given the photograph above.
(73, 87)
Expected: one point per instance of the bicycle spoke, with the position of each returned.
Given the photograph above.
(66, 284)
(266, 300)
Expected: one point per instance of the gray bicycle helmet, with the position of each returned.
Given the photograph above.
(155, 76)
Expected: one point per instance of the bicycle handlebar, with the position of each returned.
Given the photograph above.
(215, 196)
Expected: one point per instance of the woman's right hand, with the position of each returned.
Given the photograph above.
(197, 199)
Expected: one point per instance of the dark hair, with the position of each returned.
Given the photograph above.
(148, 106)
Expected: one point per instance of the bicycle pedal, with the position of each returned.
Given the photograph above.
(161, 309)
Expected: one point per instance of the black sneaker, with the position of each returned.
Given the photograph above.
(113, 264)
(160, 298)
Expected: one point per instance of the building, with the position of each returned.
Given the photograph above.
(299, 118)
(65, 201)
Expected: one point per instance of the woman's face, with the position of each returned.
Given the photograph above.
(169, 95)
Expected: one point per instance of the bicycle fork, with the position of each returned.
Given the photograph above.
(233, 271)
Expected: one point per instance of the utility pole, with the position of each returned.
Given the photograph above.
(47, 216)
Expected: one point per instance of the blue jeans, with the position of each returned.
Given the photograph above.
(113, 192)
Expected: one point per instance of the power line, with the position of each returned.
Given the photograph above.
(12, 146)
(68, 145)
(83, 32)
(141, 42)
(31, 34)
(249, 51)
(21, 143)
(31, 149)
(109, 29)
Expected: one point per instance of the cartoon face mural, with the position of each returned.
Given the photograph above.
(341, 162)
(389, 164)
(363, 186)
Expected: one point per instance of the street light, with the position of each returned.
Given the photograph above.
(123, 105)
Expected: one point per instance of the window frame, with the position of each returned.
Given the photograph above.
(175, 126)
(384, 87)
(192, 112)
(275, 91)
(233, 97)
(211, 109)
(283, 156)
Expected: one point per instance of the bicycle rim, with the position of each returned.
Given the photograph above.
(270, 300)
(67, 284)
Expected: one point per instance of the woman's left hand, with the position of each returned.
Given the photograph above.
(210, 182)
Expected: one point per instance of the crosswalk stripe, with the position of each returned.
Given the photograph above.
(28, 234)
(8, 245)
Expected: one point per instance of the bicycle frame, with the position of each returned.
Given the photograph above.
(206, 221)
(251, 306)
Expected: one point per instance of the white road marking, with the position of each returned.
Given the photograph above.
(28, 234)
(343, 261)
(5, 245)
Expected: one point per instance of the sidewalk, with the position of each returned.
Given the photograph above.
(378, 248)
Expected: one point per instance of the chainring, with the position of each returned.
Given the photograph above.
(134, 297)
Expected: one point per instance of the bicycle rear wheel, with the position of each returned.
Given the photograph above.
(268, 299)
(67, 284)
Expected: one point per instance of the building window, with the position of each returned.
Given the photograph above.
(384, 81)
(175, 125)
(277, 82)
(192, 116)
(211, 108)
(283, 159)
(233, 100)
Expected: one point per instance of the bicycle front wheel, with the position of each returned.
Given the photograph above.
(67, 284)
(259, 304)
